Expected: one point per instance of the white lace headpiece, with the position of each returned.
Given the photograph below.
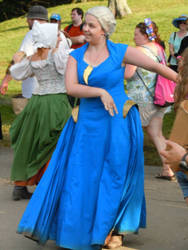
(44, 35)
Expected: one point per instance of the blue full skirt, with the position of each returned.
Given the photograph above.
(94, 183)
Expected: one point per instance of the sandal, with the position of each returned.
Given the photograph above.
(114, 242)
(166, 177)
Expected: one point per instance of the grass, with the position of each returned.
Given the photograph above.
(13, 31)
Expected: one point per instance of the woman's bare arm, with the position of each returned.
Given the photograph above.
(72, 85)
(78, 90)
(130, 69)
(135, 57)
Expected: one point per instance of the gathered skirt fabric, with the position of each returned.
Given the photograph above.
(35, 132)
(94, 182)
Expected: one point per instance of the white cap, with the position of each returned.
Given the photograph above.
(44, 35)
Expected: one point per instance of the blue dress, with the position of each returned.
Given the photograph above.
(95, 179)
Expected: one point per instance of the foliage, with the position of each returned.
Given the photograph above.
(10, 9)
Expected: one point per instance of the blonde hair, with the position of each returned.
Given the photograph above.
(105, 18)
(181, 91)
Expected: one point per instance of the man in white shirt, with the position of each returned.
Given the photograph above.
(40, 14)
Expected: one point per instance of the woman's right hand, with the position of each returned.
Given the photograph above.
(108, 102)
(18, 56)
(3, 87)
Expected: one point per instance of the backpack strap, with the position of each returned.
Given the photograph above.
(142, 80)
(70, 26)
(174, 35)
(159, 60)
(81, 26)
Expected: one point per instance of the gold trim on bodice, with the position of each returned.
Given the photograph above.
(75, 113)
(127, 106)
(87, 72)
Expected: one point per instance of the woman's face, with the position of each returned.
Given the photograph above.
(140, 38)
(92, 29)
(183, 25)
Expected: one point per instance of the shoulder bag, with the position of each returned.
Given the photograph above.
(164, 88)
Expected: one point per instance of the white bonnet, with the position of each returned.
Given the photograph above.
(105, 18)
(44, 35)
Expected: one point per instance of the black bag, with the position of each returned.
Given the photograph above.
(169, 58)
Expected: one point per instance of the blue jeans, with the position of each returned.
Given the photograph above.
(183, 182)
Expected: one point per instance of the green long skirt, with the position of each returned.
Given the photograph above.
(35, 132)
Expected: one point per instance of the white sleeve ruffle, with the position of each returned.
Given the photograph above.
(61, 56)
(21, 70)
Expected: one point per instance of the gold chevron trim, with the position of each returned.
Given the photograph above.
(87, 72)
(127, 106)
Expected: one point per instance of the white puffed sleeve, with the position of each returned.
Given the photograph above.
(21, 70)
(61, 55)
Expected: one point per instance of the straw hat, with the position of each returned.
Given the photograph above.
(176, 21)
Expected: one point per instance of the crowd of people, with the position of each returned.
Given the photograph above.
(89, 171)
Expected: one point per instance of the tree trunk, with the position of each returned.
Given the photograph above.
(119, 8)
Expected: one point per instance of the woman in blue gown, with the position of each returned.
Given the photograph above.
(94, 184)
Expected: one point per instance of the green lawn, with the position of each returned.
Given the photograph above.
(13, 31)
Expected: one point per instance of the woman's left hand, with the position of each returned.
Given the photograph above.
(108, 102)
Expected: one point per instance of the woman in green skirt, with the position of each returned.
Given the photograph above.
(35, 131)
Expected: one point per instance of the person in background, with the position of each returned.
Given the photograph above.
(35, 131)
(176, 38)
(40, 14)
(56, 18)
(74, 31)
(94, 184)
(174, 156)
(141, 85)
(183, 45)
(158, 39)
(174, 153)
(181, 91)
